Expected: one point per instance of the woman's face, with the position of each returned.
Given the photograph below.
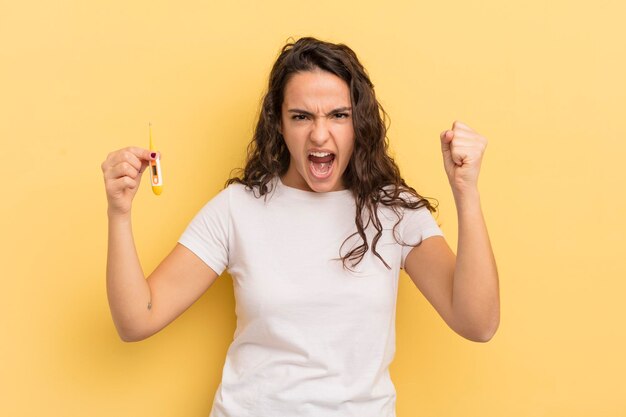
(316, 123)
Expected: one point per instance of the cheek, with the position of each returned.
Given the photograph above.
(346, 137)
(294, 146)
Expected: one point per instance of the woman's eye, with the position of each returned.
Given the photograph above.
(341, 115)
(299, 117)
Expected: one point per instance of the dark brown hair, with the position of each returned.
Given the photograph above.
(372, 175)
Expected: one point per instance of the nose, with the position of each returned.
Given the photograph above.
(320, 131)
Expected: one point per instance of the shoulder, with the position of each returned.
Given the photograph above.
(238, 186)
(402, 200)
(400, 194)
(236, 189)
(243, 198)
(405, 209)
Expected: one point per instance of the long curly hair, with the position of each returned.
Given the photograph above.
(372, 175)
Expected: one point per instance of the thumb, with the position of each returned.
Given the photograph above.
(446, 149)
(446, 138)
(147, 156)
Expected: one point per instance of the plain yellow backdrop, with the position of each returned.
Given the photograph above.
(544, 82)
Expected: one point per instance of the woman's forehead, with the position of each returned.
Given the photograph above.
(316, 89)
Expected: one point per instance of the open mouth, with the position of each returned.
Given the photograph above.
(321, 164)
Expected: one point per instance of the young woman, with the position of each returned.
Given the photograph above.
(314, 233)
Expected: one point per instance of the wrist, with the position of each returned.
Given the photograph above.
(466, 197)
(470, 192)
(115, 216)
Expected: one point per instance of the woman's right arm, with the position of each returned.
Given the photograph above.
(141, 307)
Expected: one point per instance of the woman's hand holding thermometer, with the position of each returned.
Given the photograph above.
(122, 172)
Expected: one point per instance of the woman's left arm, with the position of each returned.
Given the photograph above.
(465, 290)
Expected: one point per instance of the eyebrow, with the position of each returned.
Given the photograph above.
(337, 110)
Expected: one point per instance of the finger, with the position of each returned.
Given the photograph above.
(446, 147)
(121, 170)
(458, 126)
(144, 165)
(143, 153)
(133, 155)
(449, 140)
(461, 126)
(446, 137)
(458, 156)
(120, 184)
(464, 134)
(472, 140)
(120, 156)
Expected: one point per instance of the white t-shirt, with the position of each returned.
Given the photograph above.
(312, 339)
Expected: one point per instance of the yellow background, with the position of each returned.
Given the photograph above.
(544, 83)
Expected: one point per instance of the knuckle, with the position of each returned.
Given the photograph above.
(130, 183)
(129, 169)
(108, 172)
(129, 157)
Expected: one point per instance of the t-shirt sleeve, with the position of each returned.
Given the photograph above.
(415, 226)
(208, 232)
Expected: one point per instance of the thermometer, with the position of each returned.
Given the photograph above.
(156, 178)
